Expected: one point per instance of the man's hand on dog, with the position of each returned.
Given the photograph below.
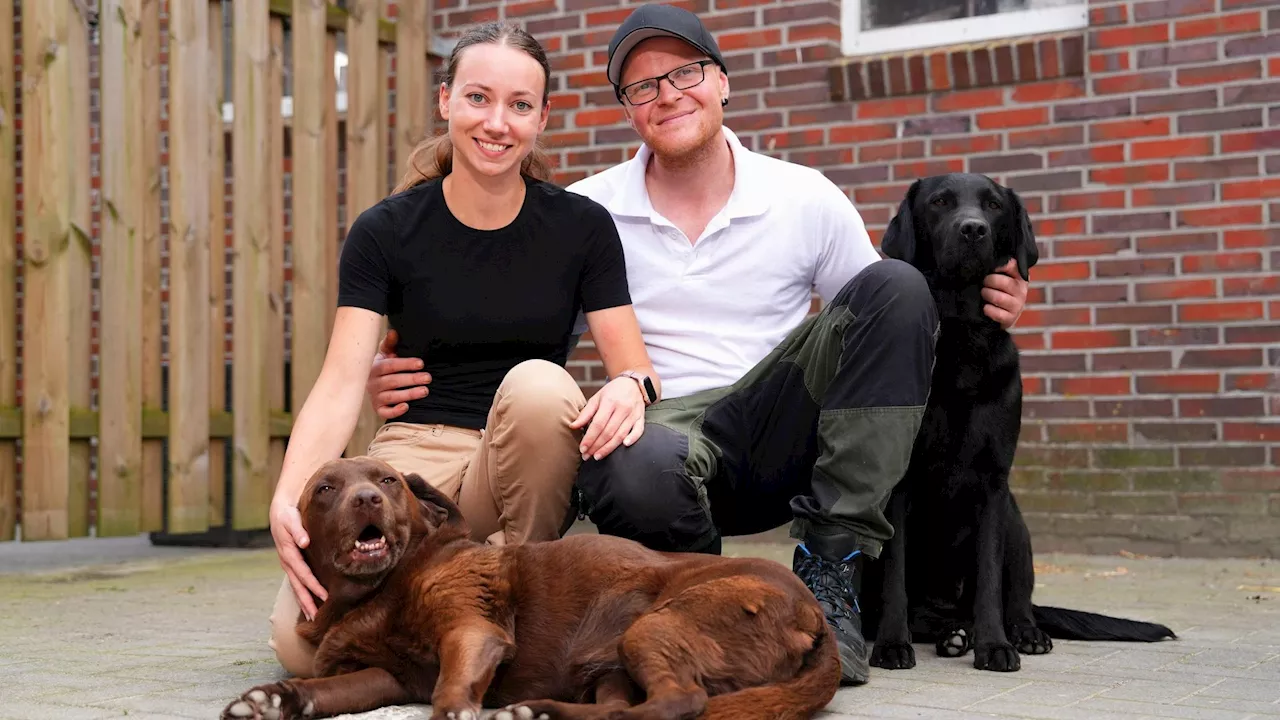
(286, 530)
(1005, 293)
(394, 381)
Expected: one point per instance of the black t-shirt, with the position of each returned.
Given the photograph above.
(475, 303)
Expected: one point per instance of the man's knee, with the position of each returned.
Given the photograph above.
(295, 654)
(643, 492)
(892, 284)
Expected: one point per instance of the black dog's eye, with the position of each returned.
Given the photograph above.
(388, 480)
(940, 200)
(993, 204)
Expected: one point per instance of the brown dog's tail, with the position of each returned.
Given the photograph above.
(798, 698)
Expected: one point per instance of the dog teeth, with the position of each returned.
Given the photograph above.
(372, 545)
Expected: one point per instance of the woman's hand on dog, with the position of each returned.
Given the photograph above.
(616, 417)
(1005, 293)
(286, 530)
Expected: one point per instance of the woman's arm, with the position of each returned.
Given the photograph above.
(320, 431)
(616, 411)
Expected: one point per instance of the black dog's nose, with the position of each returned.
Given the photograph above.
(973, 229)
(366, 496)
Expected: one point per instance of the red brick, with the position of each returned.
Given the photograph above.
(1092, 384)
(1096, 432)
(1222, 262)
(1013, 118)
(1251, 189)
(605, 116)
(1089, 155)
(1130, 174)
(1047, 91)
(1250, 381)
(891, 108)
(1160, 9)
(1130, 35)
(1218, 216)
(1136, 315)
(1126, 129)
(1090, 339)
(1059, 226)
(1047, 137)
(1265, 285)
(1048, 317)
(1234, 239)
(1250, 141)
(1179, 147)
(1215, 169)
(1273, 67)
(1251, 432)
(1028, 341)
(814, 31)
(1132, 82)
(1220, 74)
(1112, 15)
(968, 145)
(798, 138)
(1220, 25)
(891, 151)
(1220, 407)
(729, 42)
(1032, 385)
(1220, 312)
(968, 100)
(862, 133)
(1110, 62)
(1175, 289)
(1173, 195)
(1090, 200)
(912, 170)
(1059, 271)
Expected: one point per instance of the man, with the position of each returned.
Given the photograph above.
(769, 416)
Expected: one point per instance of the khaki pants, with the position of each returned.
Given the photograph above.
(512, 481)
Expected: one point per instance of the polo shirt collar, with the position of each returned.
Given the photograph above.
(749, 196)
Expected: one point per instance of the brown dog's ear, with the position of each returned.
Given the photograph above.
(899, 241)
(437, 510)
(1025, 251)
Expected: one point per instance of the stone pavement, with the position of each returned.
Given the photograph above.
(109, 628)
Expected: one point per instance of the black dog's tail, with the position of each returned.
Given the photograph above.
(1066, 624)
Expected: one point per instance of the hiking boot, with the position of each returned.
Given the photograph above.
(833, 584)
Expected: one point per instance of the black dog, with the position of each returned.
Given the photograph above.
(969, 580)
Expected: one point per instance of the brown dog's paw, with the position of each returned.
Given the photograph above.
(893, 655)
(268, 702)
(520, 712)
(463, 714)
(1030, 640)
(1000, 658)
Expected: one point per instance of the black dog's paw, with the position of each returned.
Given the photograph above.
(277, 701)
(893, 655)
(954, 644)
(1000, 658)
(1030, 640)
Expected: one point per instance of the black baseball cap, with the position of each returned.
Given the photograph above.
(656, 20)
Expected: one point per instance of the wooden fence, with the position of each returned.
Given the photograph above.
(151, 453)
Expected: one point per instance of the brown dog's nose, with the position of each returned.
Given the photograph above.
(366, 496)
(973, 229)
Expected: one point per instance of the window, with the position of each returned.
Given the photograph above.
(881, 26)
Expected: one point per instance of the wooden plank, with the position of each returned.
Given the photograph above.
(336, 19)
(48, 181)
(366, 85)
(120, 348)
(152, 369)
(80, 276)
(331, 130)
(155, 424)
(275, 367)
(251, 286)
(214, 96)
(188, 507)
(413, 80)
(8, 273)
(313, 167)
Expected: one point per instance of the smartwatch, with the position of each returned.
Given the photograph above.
(646, 385)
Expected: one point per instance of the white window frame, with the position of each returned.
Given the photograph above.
(854, 41)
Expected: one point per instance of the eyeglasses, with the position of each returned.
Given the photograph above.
(682, 78)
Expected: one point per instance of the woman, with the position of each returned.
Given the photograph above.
(482, 268)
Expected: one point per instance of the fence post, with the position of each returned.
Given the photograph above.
(120, 347)
(189, 329)
(8, 274)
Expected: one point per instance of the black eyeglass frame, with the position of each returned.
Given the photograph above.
(702, 65)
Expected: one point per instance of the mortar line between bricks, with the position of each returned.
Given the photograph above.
(1003, 692)
(1197, 692)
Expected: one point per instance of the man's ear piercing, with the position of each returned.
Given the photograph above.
(724, 101)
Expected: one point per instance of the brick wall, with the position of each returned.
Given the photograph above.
(1147, 148)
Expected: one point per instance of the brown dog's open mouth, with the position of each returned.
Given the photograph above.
(371, 544)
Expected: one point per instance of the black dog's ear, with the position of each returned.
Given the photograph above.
(1025, 251)
(899, 241)
(437, 510)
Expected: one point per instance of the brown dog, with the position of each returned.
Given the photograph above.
(578, 628)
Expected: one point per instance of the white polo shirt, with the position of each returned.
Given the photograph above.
(712, 308)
